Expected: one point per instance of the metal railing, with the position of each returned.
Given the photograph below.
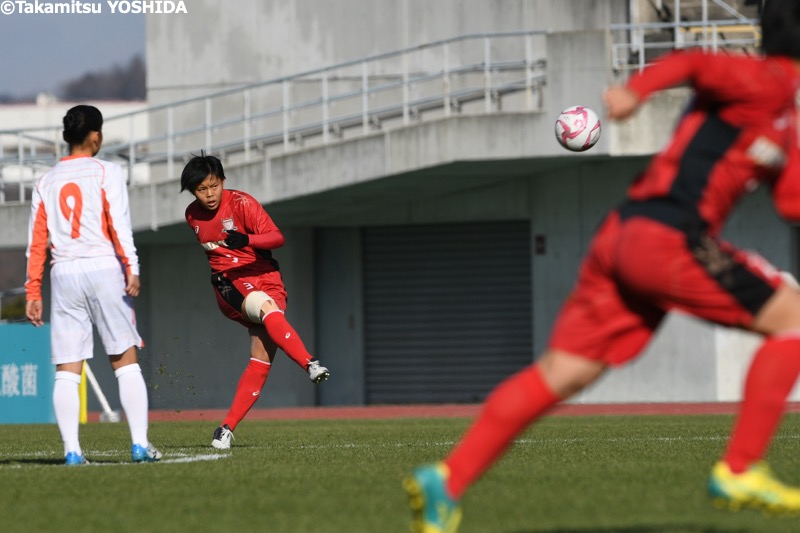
(481, 73)
(477, 73)
(637, 45)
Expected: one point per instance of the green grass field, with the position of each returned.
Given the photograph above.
(565, 475)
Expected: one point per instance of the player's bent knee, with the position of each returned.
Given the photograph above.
(253, 304)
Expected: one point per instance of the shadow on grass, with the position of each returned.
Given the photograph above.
(28, 461)
(56, 461)
(662, 528)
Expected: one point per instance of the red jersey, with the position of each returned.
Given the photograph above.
(741, 130)
(240, 212)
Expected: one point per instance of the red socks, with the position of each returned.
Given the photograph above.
(509, 409)
(255, 375)
(287, 339)
(771, 377)
(247, 392)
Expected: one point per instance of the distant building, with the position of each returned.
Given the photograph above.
(23, 157)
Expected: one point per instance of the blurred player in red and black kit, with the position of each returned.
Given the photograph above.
(237, 235)
(661, 251)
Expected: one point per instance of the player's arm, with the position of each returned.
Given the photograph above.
(709, 73)
(259, 230)
(36, 253)
(116, 209)
(786, 188)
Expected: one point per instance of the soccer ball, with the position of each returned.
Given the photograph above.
(577, 128)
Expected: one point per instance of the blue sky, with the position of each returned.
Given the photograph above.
(39, 52)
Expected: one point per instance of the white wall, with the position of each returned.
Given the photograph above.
(221, 44)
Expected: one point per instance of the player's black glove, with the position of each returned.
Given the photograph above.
(236, 240)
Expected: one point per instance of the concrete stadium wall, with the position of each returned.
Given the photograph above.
(196, 355)
(257, 40)
(464, 168)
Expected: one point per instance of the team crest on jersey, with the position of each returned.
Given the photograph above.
(228, 225)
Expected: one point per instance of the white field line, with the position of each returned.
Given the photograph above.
(185, 456)
(533, 441)
(172, 457)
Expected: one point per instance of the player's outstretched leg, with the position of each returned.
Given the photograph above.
(287, 339)
(509, 409)
(432, 508)
(757, 487)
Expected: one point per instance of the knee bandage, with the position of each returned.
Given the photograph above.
(253, 304)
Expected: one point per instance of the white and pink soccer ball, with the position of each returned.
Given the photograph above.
(577, 128)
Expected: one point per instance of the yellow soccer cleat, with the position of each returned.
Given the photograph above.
(432, 509)
(757, 488)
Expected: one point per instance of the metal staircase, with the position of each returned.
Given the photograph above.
(659, 26)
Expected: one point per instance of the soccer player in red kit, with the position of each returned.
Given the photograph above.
(238, 235)
(661, 251)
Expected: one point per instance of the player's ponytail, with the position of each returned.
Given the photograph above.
(780, 28)
(79, 121)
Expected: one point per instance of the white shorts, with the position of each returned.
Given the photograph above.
(86, 292)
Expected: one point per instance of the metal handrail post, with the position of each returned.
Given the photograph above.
(714, 38)
(21, 164)
(246, 126)
(208, 124)
(406, 91)
(131, 150)
(170, 142)
(704, 19)
(642, 60)
(325, 109)
(529, 72)
(487, 76)
(2, 170)
(286, 103)
(56, 146)
(364, 98)
(446, 79)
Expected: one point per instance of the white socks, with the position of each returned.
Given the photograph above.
(133, 397)
(67, 408)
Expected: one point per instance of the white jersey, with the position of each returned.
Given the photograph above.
(81, 206)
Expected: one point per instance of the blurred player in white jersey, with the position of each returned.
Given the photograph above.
(81, 207)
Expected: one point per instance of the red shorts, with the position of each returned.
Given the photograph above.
(639, 269)
(231, 292)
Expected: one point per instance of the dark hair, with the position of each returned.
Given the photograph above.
(780, 28)
(198, 169)
(79, 121)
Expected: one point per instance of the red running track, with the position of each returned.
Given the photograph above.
(447, 411)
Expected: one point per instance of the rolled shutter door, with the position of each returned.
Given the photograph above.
(447, 310)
